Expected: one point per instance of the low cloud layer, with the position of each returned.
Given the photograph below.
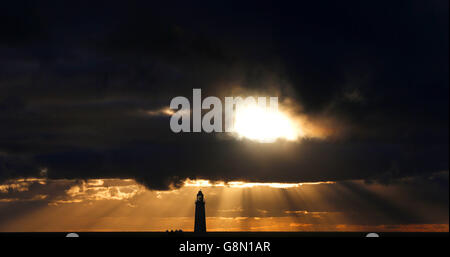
(412, 204)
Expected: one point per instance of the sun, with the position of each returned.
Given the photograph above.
(264, 124)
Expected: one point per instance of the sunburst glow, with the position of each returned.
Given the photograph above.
(241, 184)
(264, 125)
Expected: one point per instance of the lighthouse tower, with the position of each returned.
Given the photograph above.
(200, 221)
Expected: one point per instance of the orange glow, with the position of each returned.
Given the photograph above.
(242, 184)
(124, 205)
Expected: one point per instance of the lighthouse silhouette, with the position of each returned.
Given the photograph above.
(200, 221)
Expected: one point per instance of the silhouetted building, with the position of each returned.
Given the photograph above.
(200, 220)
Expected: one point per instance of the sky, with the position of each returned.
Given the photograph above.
(85, 129)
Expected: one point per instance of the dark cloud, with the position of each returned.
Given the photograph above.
(75, 79)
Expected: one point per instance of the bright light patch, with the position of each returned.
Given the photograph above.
(264, 124)
(242, 184)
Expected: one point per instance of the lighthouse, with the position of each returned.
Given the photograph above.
(200, 221)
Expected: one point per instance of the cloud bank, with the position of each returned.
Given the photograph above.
(86, 99)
